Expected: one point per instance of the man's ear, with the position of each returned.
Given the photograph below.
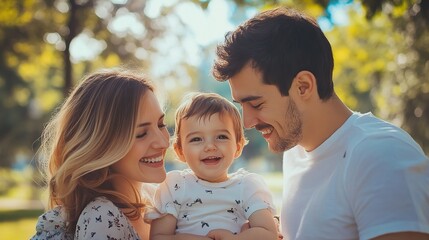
(179, 152)
(304, 85)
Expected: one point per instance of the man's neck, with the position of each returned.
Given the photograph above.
(323, 121)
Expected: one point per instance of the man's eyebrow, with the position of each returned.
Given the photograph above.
(247, 99)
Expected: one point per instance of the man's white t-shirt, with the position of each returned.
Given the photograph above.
(368, 179)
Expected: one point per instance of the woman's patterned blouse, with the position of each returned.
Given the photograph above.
(100, 219)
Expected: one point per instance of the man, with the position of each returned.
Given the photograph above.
(347, 175)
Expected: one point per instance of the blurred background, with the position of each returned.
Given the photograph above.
(381, 52)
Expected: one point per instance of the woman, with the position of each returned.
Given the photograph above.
(107, 140)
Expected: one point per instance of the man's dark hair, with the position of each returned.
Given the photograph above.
(280, 43)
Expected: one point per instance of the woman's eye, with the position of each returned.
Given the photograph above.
(162, 125)
(141, 135)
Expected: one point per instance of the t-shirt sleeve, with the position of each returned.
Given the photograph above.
(256, 195)
(387, 186)
(168, 194)
(101, 219)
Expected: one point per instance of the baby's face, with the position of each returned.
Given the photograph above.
(209, 146)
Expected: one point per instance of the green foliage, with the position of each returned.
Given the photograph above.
(21, 41)
(37, 71)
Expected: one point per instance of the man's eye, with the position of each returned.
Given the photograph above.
(257, 106)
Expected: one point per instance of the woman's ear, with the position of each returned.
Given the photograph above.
(179, 152)
(304, 85)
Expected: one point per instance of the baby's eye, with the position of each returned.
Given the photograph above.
(223, 137)
(195, 139)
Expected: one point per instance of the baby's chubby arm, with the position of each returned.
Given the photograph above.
(164, 228)
(262, 226)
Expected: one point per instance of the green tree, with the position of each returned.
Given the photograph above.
(20, 32)
(37, 69)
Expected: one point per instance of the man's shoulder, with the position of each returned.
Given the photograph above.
(368, 131)
(378, 143)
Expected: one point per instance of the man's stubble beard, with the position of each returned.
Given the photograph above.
(293, 128)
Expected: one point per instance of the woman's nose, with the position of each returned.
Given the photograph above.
(162, 139)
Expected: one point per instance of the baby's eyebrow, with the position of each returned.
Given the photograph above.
(192, 133)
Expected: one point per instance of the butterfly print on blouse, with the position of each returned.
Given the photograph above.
(96, 208)
(176, 187)
(110, 213)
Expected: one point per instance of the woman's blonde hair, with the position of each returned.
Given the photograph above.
(93, 129)
(203, 106)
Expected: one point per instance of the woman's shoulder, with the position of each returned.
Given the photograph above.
(102, 218)
(100, 206)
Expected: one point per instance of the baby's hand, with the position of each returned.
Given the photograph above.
(221, 234)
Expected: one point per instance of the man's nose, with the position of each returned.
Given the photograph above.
(249, 119)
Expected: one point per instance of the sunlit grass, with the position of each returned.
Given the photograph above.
(19, 224)
(18, 215)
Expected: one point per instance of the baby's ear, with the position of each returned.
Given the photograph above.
(179, 152)
(240, 146)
